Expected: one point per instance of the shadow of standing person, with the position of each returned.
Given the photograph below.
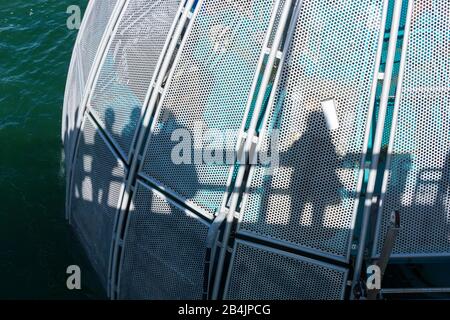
(314, 180)
(130, 128)
(180, 174)
(103, 171)
(307, 182)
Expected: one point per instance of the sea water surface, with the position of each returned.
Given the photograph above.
(36, 243)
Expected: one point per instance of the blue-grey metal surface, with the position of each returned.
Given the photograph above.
(128, 68)
(97, 190)
(310, 199)
(203, 97)
(309, 202)
(261, 273)
(164, 250)
(417, 180)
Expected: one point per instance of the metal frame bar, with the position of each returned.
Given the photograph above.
(171, 202)
(293, 246)
(213, 238)
(283, 60)
(386, 253)
(377, 143)
(371, 113)
(394, 124)
(242, 134)
(194, 207)
(252, 130)
(82, 84)
(415, 257)
(80, 70)
(414, 290)
(393, 127)
(111, 139)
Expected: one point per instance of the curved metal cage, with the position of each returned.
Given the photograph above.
(256, 149)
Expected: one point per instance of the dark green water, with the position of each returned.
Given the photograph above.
(36, 244)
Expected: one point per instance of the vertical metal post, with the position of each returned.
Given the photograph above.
(249, 141)
(388, 247)
(368, 131)
(394, 118)
(378, 142)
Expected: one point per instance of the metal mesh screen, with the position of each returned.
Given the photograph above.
(259, 274)
(276, 23)
(73, 100)
(333, 56)
(208, 95)
(128, 68)
(96, 195)
(94, 30)
(418, 182)
(97, 18)
(165, 250)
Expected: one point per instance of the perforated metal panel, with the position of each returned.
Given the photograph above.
(129, 65)
(418, 181)
(276, 23)
(98, 15)
(73, 100)
(208, 94)
(96, 195)
(165, 250)
(93, 33)
(308, 201)
(260, 273)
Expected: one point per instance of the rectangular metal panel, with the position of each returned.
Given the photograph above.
(128, 68)
(97, 191)
(308, 199)
(207, 95)
(261, 273)
(417, 180)
(164, 251)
